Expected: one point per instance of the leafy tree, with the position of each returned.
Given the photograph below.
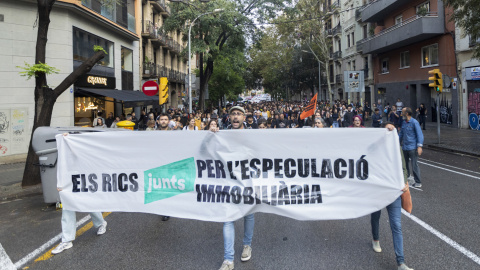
(213, 33)
(466, 16)
(45, 96)
(227, 76)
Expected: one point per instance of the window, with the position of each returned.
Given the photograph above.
(398, 19)
(405, 59)
(348, 41)
(353, 38)
(384, 65)
(430, 55)
(127, 59)
(424, 6)
(365, 31)
(83, 43)
(354, 67)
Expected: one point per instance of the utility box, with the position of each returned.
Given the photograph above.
(45, 146)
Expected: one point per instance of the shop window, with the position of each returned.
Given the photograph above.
(83, 43)
(430, 55)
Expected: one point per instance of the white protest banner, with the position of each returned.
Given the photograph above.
(305, 174)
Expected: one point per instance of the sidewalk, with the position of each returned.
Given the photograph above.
(464, 141)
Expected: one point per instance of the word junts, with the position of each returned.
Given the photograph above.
(267, 194)
(284, 168)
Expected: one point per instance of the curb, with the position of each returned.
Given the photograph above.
(16, 191)
(451, 151)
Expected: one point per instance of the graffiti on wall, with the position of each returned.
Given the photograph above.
(446, 114)
(13, 131)
(474, 109)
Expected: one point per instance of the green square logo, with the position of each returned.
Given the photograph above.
(169, 180)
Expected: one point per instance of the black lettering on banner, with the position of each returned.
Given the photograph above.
(210, 168)
(84, 183)
(314, 168)
(230, 169)
(248, 195)
(114, 182)
(236, 193)
(133, 181)
(201, 166)
(106, 182)
(278, 167)
(351, 168)
(208, 192)
(255, 172)
(303, 167)
(222, 195)
(274, 196)
(362, 168)
(244, 169)
(340, 174)
(93, 184)
(265, 195)
(296, 194)
(327, 171)
(290, 162)
(122, 186)
(220, 171)
(267, 165)
(283, 195)
(306, 194)
(257, 195)
(316, 195)
(75, 183)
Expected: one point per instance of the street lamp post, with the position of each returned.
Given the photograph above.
(190, 58)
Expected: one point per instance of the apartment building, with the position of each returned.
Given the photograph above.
(160, 51)
(411, 38)
(75, 27)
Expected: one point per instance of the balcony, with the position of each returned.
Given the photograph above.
(159, 5)
(148, 69)
(412, 30)
(336, 55)
(381, 9)
(337, 30)
(358, 15)
(339, 78)
(149, 30)
(334, 6)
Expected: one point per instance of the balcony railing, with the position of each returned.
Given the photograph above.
(337, 30)
(148, 69)
(336, 55)
(149, 29)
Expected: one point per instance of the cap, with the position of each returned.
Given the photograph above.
(236, 108)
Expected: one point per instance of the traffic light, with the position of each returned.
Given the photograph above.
(437, 80)
(163, 91)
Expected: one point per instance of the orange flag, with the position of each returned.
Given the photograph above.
(310, 109)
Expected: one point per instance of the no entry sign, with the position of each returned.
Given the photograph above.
(150, 88)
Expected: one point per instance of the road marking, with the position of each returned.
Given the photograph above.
(443, 237)
(446, 165)
(476, 177)
(5, 262)
(51, 242)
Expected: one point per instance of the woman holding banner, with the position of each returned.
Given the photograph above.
(395, 217)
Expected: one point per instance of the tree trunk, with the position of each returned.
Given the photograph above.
(205, 75)
(46, 97)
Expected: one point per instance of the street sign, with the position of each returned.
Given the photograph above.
(194, 78)
(150, 88)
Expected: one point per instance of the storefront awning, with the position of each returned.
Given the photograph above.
(129, 98)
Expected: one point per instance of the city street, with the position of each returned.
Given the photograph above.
(441, 233)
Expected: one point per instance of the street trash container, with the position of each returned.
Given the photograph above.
(45, 146)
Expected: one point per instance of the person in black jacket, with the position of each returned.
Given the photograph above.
(348, 117)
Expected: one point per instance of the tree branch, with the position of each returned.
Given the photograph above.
(79, 71)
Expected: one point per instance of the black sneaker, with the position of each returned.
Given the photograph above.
(165, 218)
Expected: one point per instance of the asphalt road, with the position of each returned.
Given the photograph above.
(442, 234)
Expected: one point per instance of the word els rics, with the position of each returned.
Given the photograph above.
(110, 183)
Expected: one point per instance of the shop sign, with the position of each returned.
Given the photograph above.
(95, 81)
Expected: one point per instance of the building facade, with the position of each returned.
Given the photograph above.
(410, 39)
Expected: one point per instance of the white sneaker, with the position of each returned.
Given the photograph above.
(102, 229)
(411, 178)
(404, 267)
(246, 253)
(376, 246)
(62, 246)
(226, 265)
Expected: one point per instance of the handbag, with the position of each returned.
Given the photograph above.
(407, 201)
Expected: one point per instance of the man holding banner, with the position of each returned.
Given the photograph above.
(237, 118)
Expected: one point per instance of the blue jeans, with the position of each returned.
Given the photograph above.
(395, 216)
(229, 236)
(335, 124)
(413, 155)
(69, 224)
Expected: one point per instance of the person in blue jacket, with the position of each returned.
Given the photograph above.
(411, 138)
